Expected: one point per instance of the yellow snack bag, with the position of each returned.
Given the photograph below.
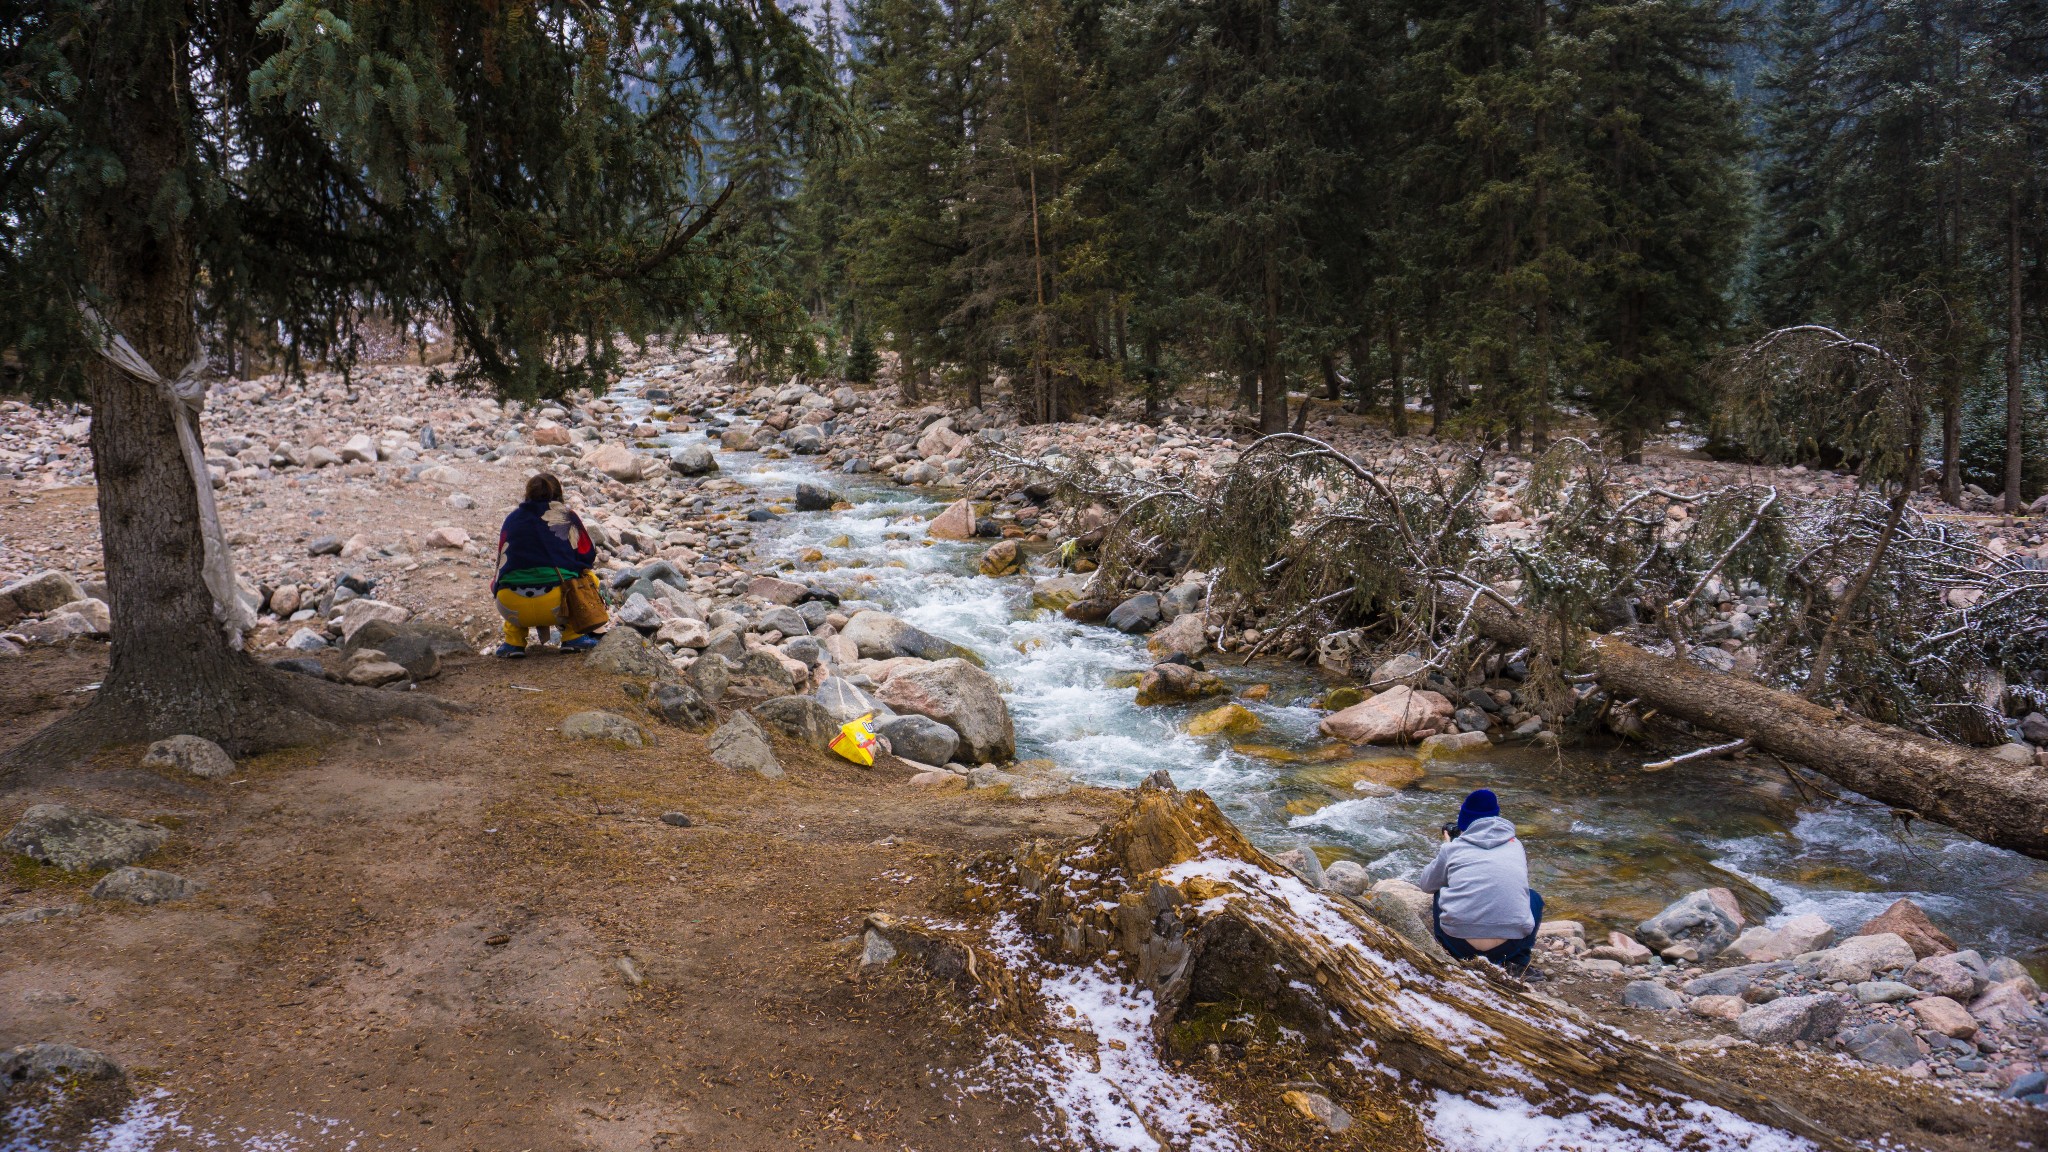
(856, 741)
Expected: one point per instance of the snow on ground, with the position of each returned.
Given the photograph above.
(1507, 1123)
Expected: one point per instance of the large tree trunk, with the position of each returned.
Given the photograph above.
(1979, 796)
(1272, 381)
(2015, 392)
(172, 669)
(1174, 897)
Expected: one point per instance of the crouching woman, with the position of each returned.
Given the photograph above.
(1481, 903)
(544, 580)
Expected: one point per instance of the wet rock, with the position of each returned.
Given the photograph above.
(1137, 614)
(679, 706)
(1883, 1043)
(740, 745)
(1943, 1015)
(1398, 714)
(625, 652)
(1451, 743)
(144, 886)
(1707, 920)
(963, 698)
(2007, 1004)
(1782, 1021)
(880, 636)
(192, 755)
(1003, 558)
(604, 726)
(1651, 997)
(1906, 920)
(919, 738)
(80, 841)
(1187, 636)
(955, 523)
(800, 718)
(1178, 684)
(1229, 720)
(1954, 974)
(691, 460)
(814, 498)
(1859, 958)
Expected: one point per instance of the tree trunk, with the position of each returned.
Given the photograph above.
(1272, 382)
(1397, 398)
(1333, 385)
(171, 669)
(1979, 796)
(1173, 896)
(2015, 394)
(1951, 431)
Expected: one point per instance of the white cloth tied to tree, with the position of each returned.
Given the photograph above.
(187, 397)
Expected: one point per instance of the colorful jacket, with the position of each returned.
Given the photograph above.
(541, 543)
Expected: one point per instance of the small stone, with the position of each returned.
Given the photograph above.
(1953, 975)
(1708, 920)
(1003, 558)
(1883, 992)
(1319, 1108)
(1859, 958)
(306, 640)
(1943, 1015)
(679, 706)
(813, 498)
(606, 726)
(1719, 1007)
(1452, 743)
(375, 673)
(675, 819)
(193, 755)
(919, 738)
(1622, 948)
(1651, 996)
(324, 546)
(40, 592)
(938, 780)
(446, 536)
(1599, 966)
(144, 886)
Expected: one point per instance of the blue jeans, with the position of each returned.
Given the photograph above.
(1512, 953)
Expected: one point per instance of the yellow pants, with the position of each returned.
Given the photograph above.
(522, 612)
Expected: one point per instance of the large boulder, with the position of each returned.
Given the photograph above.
(36, 594)
(1956, 975)
(1397, 715)
(919, 738)
(2007, 1004)
(192, 755)
(1706, 921)
(618, 462)
(1178, 684)
(1187, 635)
(710, 675)
(625, 652)
(800, 718)
(880, 636)
(1905, 920)
(963, 698)
(955, 523)
(1859, 958)
(740, 745)
(1811, 1018)
(814, 498)
(80, 841)
(691, 460)
(1140, 613)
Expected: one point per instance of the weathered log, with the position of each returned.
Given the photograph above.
(1192, 912)
(1980, 796)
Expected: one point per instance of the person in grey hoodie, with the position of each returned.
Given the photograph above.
(1483, 905)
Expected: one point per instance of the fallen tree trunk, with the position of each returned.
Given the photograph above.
(1980, 796)
(1174, 896)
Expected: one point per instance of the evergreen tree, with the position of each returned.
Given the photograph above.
(534, 174)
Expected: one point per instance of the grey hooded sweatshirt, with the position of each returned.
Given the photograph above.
(1483, 876)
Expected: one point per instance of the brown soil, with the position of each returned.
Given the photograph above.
(340, 980)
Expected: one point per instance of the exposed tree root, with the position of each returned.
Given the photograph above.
(261, 710)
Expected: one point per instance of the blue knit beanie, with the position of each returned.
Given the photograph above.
(1478, 806)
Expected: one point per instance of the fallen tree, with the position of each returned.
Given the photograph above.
(1176, 901)
(1912, 618)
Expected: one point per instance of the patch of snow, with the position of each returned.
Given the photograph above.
(1509, 1123)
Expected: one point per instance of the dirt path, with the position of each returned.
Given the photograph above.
(415, 940)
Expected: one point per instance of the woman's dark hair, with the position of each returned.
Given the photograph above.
(543, 487)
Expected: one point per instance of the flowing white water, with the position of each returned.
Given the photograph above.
(1608, 844)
